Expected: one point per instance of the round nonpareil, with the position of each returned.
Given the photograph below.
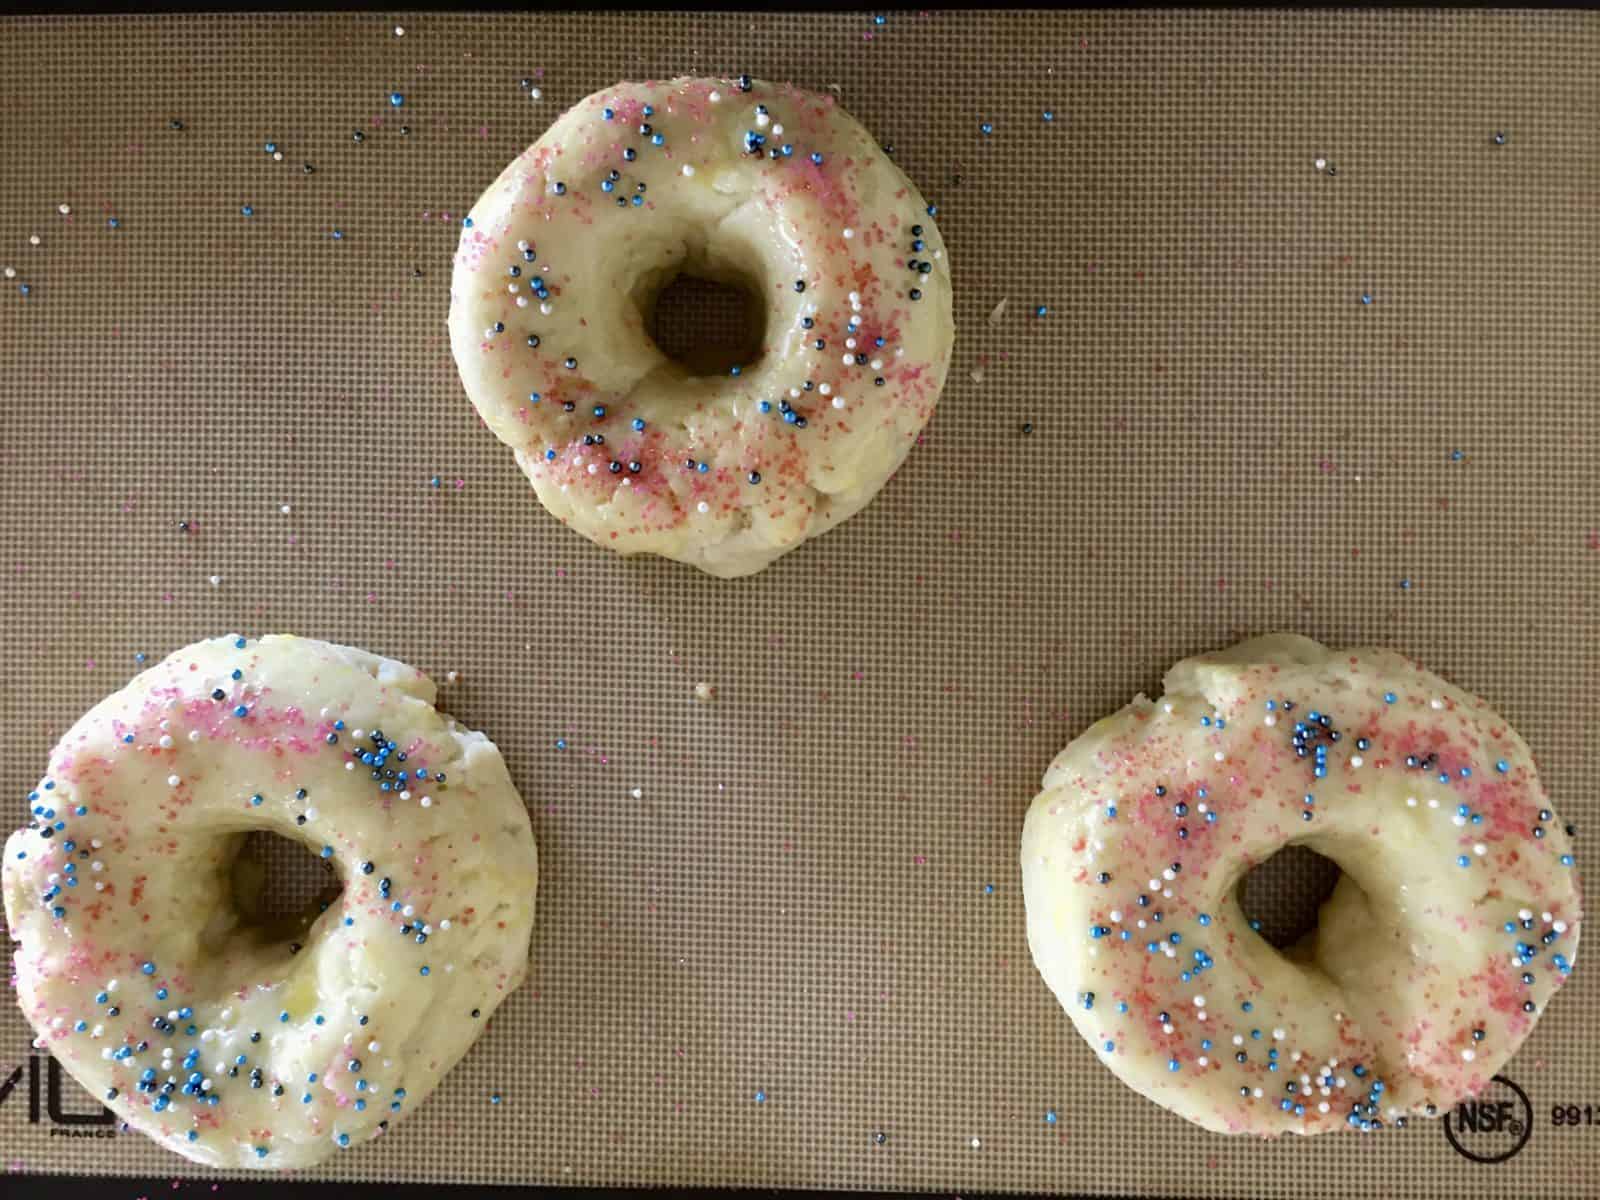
(1454, 922)
(233, 1042)
(761, 186)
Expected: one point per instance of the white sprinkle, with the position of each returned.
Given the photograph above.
(311, 813)
(637, 793)
(445, 924)
(1202, 808)
(165, 742)
(285, 509)
(702, 507)
(374, 1047)
(877, 364)
(1168, 874)
(64, 209)
(1435, 703)
(1545, 917)
(1480, 849)
(777, 130)
(688, 170)
(826, 389)
(1323, 1106)
(1411, 801)
(173, 781)
(1202, 1060)
(215, 581)
(522, 302)
(1278, 1035)
(594, 468)
(976, 1144)
(194, 735)
(33, 239)
(349, 766)
(850, 343)
(1559, 927)
(277, 156)
(714, 97)
(1433, 803)
(405, 794)
(1256, 1093)
(1469, 1054)
(703, 691)
(762, 120)
(1458, 819)
(1219, 756)
(536, 94)
(11, 272)
(847, 359)
(408, 911)
(1116, 916)
(97, 866)
(1199, 1001)
(399, 31)
(523, 245)
(426, 802)
(1320, 163)
(849, 233)
(513, 286)
(838, 401)
(546, 308)
(1356, 760)
(1270, 719)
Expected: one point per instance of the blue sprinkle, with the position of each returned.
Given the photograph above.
(327, 852)
(1389, 697)
(561, 743)
(1110, 1046)
(1172, 1064)
(986, 128)
(1502, 766)
(424, 971)
(1050, 1117)
(249, 211)
(534, 397)
(1463, 861)
(761, 1097)
(148, 968)
(1205, 918)
(638, 424)
(1042, 310)
(270, 148)
(1566, 860)
(988, 889)
(396, 99)
(344, 1139)
(608, 113)
(1048, 115)
(241, 711)
(549, 455)
(1365, 298)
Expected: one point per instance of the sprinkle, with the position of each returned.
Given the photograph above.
(396, 99)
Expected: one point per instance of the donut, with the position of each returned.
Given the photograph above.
(757, 185)
(226, 1041)
(1455, 920)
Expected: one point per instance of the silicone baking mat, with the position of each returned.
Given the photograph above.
(780, 935)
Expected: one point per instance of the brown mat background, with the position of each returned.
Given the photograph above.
(1225, 440)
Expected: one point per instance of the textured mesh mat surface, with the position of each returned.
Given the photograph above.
(787, 891)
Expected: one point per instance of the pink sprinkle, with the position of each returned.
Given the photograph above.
(89, 665)
(920, 860)
(849, 1014)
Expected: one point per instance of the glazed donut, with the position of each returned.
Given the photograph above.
(1455, 920)
(226, 1044)
(736, 181)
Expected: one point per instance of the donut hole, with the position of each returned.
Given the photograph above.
(1286, 892)
(705, 324)
(280, 886)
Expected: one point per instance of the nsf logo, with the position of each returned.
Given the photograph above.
(1493, 1126)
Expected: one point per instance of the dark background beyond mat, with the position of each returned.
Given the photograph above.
(1226, 438)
